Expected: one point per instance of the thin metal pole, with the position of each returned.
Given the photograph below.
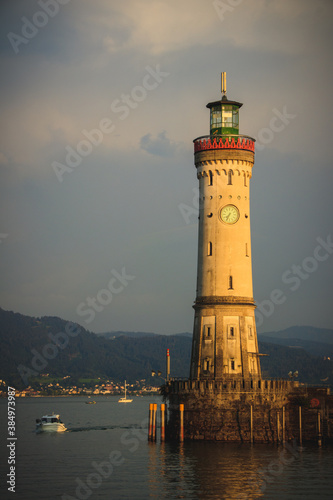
(251, 424)
(168, 365)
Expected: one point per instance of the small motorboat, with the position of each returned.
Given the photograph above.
(50, 423)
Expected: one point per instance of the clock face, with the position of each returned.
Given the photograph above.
(230, 214)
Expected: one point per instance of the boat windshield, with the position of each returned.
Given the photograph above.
(50, 420)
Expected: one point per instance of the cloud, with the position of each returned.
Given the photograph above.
(65, 237)
(159, 145)
(159, 27)
(3, 159)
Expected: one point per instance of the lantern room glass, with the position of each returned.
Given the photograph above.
(224, 119)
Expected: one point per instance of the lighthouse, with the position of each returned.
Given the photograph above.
(225, 397)
(225, 342)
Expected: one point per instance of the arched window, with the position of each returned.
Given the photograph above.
(210, 249)
(210, 178)
(230, 177)
(230, 283)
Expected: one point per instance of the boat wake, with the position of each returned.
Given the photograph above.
(101, 428)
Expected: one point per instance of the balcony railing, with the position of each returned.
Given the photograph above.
(207, 142)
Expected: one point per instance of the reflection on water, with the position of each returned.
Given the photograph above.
(170, 472)
(202, 470)
(228, 471)
(224, 470)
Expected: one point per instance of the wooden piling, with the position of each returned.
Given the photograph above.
(181, 429)
(300, 424)
(278, 425)
(162, 423)
(319, 430)
(154, 412)
(150, 422)
(283, 424)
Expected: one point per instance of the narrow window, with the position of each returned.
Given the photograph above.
(208, 331)
(250, 332)
(230, 283)
(232, 364)
(245, 180)
(246, 250)
(230, 177)
(210, 249)
(210, 178)
(232, 331)
(207, 365)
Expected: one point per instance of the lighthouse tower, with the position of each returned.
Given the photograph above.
(225, 342)
(225, 397)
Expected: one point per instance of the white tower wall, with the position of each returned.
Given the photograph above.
(225, 338)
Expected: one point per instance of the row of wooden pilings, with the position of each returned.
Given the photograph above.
(283, 437)
(163, 421)
(319, 431)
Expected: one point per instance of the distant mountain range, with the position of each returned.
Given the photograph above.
(323, 335)
(31, 346)
(315, 341)
(114, 335)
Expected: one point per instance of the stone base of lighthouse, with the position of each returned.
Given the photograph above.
(260, 411)
(225, 339)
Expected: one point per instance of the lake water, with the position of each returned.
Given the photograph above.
(105, 455)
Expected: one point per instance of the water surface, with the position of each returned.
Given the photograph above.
(105, 455)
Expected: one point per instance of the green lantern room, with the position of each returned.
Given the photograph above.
(224, 114)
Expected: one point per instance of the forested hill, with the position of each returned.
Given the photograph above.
(29, 344)
(55, 346)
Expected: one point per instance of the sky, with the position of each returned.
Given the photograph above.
(100, 103)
